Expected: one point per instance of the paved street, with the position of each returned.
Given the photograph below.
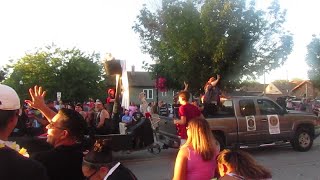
(284, 163)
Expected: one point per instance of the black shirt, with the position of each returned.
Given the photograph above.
(14, 166)
(63, 162)
(122, 173)
(163, 110)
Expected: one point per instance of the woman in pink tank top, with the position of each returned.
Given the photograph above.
(196, 159)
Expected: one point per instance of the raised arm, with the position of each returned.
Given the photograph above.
(37, 95)
(215, 82)
(186, 85)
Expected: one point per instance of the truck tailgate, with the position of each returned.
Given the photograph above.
(166, 126)
(167, 132)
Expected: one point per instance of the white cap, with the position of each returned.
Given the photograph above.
(98, 101)
(9, 99)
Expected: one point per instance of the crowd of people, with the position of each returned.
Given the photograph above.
(199, 156)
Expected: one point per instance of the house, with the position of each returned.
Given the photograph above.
(293, 88)
(254, 89)
(305, 87)
(279, 88)
(143, 82)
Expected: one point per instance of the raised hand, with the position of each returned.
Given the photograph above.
(37, 95)
(185, 86)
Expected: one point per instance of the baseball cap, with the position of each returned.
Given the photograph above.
(9, 99)
(98, 101)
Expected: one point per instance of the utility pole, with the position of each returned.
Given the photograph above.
(287, 82)
(264, 82)
(306, 89)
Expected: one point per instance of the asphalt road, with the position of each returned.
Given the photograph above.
(284, 162)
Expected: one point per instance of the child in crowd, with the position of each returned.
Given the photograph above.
(240, 165)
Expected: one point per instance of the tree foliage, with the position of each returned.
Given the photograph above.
(2, 75)
(193, 40)
(73, 73)
(313, 60)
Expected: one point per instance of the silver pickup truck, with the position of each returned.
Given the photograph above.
(252, 121)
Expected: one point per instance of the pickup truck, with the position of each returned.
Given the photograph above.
(252, 121)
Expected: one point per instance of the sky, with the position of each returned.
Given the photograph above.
(105, 26)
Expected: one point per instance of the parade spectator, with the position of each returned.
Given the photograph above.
(98, 164)
(79, 109)
(13, 165)
(211, 98)
(289, 104)
(176, 104)
(65, 132)
(126, 118)
(59, 105)
(237, 165)
(154, 107)
(110, 100)
(187, 111)
(149, 108)
(144, 103)
(91, 114)
(197, 157)
(103, 124)
(163, 109)
(21, 128)
(70, 106)
(91, 103)
(50, 104)
(132, 108)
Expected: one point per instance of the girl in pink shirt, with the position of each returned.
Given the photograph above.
(197, 157)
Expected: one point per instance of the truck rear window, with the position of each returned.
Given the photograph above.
(227, 108)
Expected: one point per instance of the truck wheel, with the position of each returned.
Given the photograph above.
(302, 140)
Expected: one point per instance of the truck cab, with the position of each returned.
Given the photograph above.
(253, 121)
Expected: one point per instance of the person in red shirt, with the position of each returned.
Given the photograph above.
(187, 111)
(110, 100)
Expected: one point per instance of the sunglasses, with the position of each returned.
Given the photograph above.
(52, 126)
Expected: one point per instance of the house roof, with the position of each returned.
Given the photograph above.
(136, 79)
(254, 87)
(142, 79)
(300, 84)
(284, 86)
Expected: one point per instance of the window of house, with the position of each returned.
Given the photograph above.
(149, 93)
(247, 107)
(164, 93)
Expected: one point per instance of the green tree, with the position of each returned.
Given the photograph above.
(2, 75)
(313, 60)
(76, 74)
(192, 40)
